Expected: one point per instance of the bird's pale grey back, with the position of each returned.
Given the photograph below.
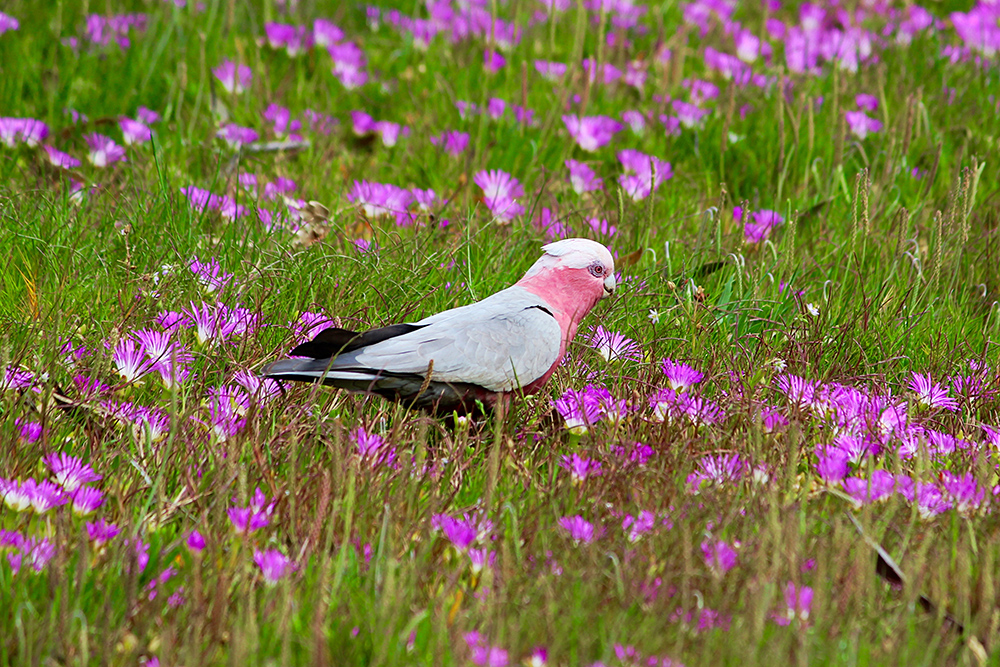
(505, 341)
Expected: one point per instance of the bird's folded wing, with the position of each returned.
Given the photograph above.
(498, 344)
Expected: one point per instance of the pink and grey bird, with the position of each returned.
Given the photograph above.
(510, 342)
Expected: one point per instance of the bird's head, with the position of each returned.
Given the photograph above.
(582, 264)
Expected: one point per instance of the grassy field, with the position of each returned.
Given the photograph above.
(799, 367)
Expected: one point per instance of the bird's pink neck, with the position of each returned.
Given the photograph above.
(571, 302)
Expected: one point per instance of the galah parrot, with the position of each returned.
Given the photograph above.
(482, 353)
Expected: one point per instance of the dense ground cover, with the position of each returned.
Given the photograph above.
(802, 202)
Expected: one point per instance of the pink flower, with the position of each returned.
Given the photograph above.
(614, 346)
(580, 467)
(643, 173)
(582, 177)
(866, 102)
(500, 193)
(798, 602)
(69, 471)
(719, 557)
(761, 226)
(60, 159)
(103, 151)
(579, 529)
(931, 394)
(134, 132)
(273, 565)
(453, 142)
(861, 125)
(591, 132)
(372, 449)
(680, 376)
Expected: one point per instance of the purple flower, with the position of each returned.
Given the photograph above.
(103, 151)
(930, 501)
(8, 23)
(16, 495)
(45, 495)
(237, 136)
(680, 376)
(931, 394)
(60, 159)
(493, 61)
(210, 274)
(674, 406)
(879, 486)
(579, 529)
(326, 33)
(361, 123)
(963, 491)
(831, 465)
(199, 199)
(28, 431)
(579, 410)
(226, 414)
(635, 120)
(147, 116)
(495, 108)
(480, 559)
(718, 470)
(582, 177)
(348, 64)
(234, 78)
(690, 115)
(377, 199)
(254, 516)
(101, 532)
(16, 378)
(134, 132)
(613, 345)
(636, 527)
(643, 173)
(294, 39)
(464, 532)
(131, 360)
(390, 132)
(86, 500)
(580, 467)
(273, 565)
(798, 391)
(866, 102)
(70, 472)
(500, 193)
(195, 542)
(550, 71)
(798, 603)
(719, 557)
(35, 553)
(22, 130)
(591, 132)
(761, 226)
(861, 125)
(373, 449)
(452, 141)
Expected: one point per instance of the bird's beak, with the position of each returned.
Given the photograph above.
(609, 285)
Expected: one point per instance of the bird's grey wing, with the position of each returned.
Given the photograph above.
(498, 344)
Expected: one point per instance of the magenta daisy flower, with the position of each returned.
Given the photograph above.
(195, 542)
(16, 495)
(45, 495)
(377, 199)
(130, 359)
(680, 376)
(464, 532)
(69, 471)
(234, 78)
(452, 142)
(273, 565)
(614, 346)
(582, 178)
(579, 529)
(86, 500)
(500, 194)
(101, 532)
(798, 602)
(719, 557)
(861, 124)
(134, 132)
(931, 394)
(373, 449)
(579, 410)
(237, 136)
(643, 173)
(60, 159)
(103, 150)
(580, 467)
(761, 226)
(719, 470)
(591, 132)
(636, 527)
(550, 71)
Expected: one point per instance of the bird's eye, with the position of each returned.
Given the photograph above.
(597, 270)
